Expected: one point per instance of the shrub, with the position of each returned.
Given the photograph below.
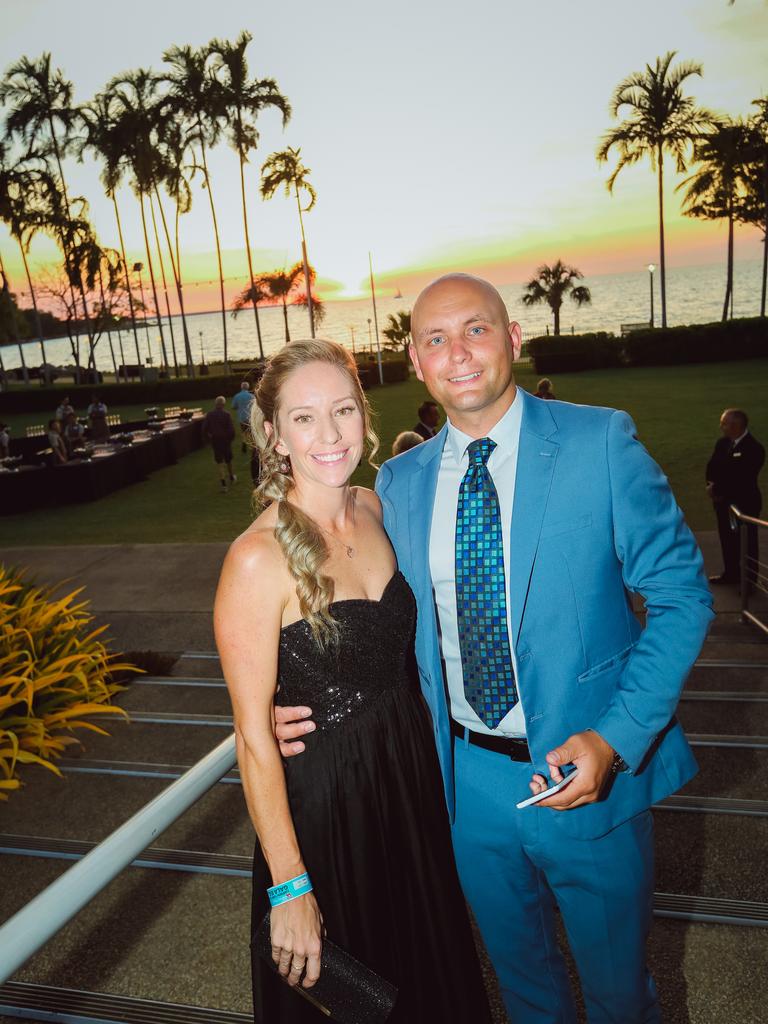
(54, 675)
(670, 346)
(569, 352)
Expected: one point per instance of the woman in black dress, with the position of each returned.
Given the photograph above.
(312, 610)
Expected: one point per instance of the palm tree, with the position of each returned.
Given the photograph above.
(399, 328)
(287, 170)
(134, 109)
(103, 136)
(754, 210)
(195, 97)
(714, 190)
(551, 285)
(241, 101)
(42, 115)
(279, 286)
(661, 120)
(20, 209)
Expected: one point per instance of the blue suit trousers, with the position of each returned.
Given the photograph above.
(516, 865)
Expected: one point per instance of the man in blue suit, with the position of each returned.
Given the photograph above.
(522, 527)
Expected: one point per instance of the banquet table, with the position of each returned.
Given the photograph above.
(111, 467)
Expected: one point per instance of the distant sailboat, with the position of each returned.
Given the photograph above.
(398, 294)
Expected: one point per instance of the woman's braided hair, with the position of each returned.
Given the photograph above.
(300, 538)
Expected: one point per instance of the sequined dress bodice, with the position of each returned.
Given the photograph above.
(373, 657)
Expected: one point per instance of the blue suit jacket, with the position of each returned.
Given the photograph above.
(593, 519)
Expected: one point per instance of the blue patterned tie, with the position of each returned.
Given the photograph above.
(481, 595)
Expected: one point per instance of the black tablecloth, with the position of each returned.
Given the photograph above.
(81, 480)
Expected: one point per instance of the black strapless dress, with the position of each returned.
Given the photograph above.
(368, 806)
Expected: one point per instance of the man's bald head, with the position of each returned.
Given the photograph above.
(459, 283)
(463, 348)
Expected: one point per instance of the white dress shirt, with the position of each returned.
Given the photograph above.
(502, 465)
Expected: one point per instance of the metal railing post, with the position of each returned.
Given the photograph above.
(29, 929)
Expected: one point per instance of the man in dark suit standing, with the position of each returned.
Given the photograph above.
(429, 417)
(732, 474)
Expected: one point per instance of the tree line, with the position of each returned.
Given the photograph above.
(154, 130)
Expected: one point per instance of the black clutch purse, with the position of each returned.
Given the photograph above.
(346, 991)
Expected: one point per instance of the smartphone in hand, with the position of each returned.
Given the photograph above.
(554, 788)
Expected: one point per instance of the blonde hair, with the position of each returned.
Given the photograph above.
(300, 538)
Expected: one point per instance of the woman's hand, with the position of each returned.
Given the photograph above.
(296, 928)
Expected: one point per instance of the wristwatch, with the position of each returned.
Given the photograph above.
(618, 764)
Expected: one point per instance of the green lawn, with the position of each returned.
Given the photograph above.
(676, 410)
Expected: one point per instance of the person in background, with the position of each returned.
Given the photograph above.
(56, 441)
(97, 416)
(241, 403)
(74, 433)
(544, 388)
(732, 473)
(219, 430)
(5, 441)
(405, 439)
(63, 409)
(429, 417)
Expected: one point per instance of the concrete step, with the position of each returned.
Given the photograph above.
(711, 855)
(750, 676)
(745, 718)
(732, 773)
(203, 663)
(138, 741)
(199, 696)
(65, 809)
(709, 974)
(167, 935)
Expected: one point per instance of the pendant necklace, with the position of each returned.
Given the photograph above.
(350, 550)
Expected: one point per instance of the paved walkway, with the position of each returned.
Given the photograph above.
(159, 596)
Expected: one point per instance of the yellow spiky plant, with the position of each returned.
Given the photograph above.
(55, 673)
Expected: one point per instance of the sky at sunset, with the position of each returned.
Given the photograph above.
(440, 135)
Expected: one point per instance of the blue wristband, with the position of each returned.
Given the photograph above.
(290, 890)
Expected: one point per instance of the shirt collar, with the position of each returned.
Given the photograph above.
(740, 439)
(505, 433)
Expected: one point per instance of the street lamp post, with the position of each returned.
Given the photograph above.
(651, 268)
(137, 269)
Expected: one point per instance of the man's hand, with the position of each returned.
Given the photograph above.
(592, 755)
(290, 725)
(710, 488)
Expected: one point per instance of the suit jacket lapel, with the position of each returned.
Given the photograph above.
(421, 501)
(535, 468)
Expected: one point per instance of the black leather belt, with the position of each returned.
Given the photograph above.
(512, 746)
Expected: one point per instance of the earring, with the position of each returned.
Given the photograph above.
(285, 465)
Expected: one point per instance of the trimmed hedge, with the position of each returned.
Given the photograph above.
(672, 346)
(569, 352)
(164, 392)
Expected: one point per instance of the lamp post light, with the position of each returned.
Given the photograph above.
(202, 354)
(137, 269)
(651, 268)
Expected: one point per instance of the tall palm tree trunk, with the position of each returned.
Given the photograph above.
(127, 278)
(285, 317)
(218, 243)
(307, 282)
(151, 276)
(109, 331)
(67, 256)
(662, 255)
(177, 281)
(38, 325)
(165, 289)
(729, 270)
(556, 312)
(248, 253)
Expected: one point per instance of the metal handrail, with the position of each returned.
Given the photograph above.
(753, 573)
(37, 922)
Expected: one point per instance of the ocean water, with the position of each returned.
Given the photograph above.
(694, 295)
